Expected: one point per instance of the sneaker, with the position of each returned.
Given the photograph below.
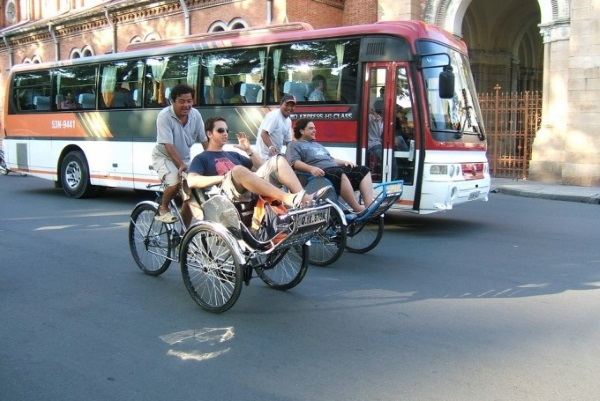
(167, 218)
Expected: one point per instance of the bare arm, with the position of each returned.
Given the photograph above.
(174, 155)
(244, 145)
(267, 141)
(301, 166)
(195, 180)
(341, 162)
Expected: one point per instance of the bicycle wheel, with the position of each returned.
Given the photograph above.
(285, 269)
(327, 246)
(3, 167)
(362, 237)
(210, 270)
(149, 240)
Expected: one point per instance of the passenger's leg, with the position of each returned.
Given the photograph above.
(278, 172)
(287, 176)
(347, 194)
(245, 179)
(366, 189)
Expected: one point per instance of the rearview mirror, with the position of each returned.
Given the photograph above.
(446, 84)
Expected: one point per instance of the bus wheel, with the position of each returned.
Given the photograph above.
(75, 176)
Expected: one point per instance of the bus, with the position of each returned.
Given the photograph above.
(89, 123)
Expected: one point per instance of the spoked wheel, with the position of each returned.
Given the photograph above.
(210, 269)
(327, 246)
(3, 167)
(362, 237)
(149, 240)
(285, 269)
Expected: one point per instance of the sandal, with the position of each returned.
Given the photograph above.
(322, 193)
(298, 199)
(167, 218)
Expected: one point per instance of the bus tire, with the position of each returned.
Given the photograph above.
(75, 176)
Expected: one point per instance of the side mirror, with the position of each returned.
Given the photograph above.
(446, 84)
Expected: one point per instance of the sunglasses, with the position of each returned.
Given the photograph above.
(222, 130)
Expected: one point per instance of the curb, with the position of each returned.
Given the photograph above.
(594, 200)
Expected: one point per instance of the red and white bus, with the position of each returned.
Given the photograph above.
(433, 138)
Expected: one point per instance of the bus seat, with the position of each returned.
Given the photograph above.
(251, 92)
(216, 90)
(118, 100)
(298, 89)
(122, 99)
(137, 99)
(41, 102)
(226, 94)
(87, 100)
(168, 95)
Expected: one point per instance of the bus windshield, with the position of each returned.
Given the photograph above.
(456, 119)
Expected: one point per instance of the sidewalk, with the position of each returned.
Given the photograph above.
(544, 190)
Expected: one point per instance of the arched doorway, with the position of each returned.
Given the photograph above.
(521, 45)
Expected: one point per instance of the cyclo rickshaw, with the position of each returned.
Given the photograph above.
(220, 252)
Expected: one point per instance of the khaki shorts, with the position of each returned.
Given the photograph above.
(267, 171)
(165, 168)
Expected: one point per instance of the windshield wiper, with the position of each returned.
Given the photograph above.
(468, 120)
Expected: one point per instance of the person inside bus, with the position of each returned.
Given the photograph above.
(69, 103)
(307, 155)
(178, 127)
(276, 128)
(401, 134)
(241, 175)
(317, 94)
(376, 130)
(237, 97)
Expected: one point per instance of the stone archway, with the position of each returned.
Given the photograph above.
(565, 149)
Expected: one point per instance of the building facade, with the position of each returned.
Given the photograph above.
(519, 45)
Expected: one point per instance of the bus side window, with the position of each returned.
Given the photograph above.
(331, 63)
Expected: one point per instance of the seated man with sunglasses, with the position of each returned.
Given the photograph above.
(239, 176)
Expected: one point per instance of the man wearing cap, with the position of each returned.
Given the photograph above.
(276, 129)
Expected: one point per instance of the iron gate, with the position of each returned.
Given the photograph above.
(511, 121)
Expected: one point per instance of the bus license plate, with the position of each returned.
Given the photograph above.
(312, 218)
(474, 195)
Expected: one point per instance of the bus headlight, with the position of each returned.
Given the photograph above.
(438, 169)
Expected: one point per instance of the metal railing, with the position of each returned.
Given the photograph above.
(511, 121)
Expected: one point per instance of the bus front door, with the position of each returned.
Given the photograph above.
(391, 146)
(375, 119)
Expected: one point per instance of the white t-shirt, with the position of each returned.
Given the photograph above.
(279, 129)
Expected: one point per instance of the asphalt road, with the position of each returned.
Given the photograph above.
(490, 301)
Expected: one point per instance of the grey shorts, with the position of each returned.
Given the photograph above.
(165, 168)
(267, 171)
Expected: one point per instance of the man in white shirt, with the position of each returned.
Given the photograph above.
(276, 129)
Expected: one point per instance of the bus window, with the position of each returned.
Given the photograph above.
(118, 83)
(163, 73)
(79, 82)
(32, 90)
(329, 67)
(234, 77)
